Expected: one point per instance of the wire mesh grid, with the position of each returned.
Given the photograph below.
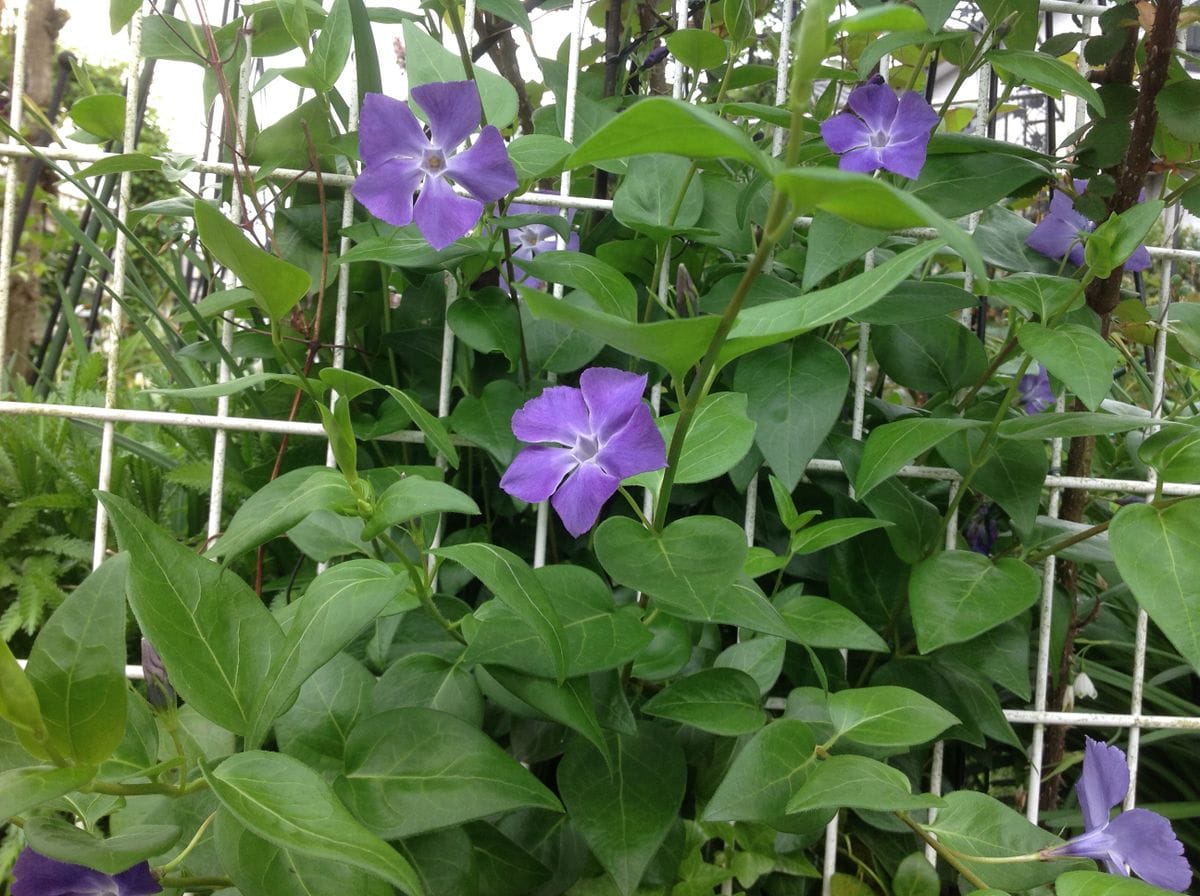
(222, 423)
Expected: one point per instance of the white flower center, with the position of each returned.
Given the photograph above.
(528, 237)
(433, 161)
(587, 446)
(879, 139)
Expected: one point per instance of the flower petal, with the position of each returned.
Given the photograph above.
(1104, 781)
(37, 875)
(845, 132)
(906, 158)
(1145, 842)
(559, 415)
(863, 160)
(1054, 237)
(611, 396)
(453, 109)
(388, 129)
(637, 447)
(386, 190)
(915, 119)
(579, 500)
(442, 215)
(876, 104)
(1139, 260)
(484, 169)
(137, 881)
(536, 472)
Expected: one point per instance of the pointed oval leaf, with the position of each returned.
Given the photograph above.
(887, 716)
(415, 496)
(22, 789)
(765, 775)
(720, 701)
(891, 446)
(1075, 354)
(857, 782)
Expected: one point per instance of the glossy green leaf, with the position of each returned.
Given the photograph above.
(937, 355)
(434, 682)
(1039, 294)
(428, 62)
(288, 804)
(18, 699)
(661, 125)
(874, 203)
(1011, 473)
(22, 789)
(956, 184)
(130, 161)
(431, 426)
(538, 155)
(834, 242)
(1155, 551)
(719, 701)
(120, 12)
(720, 435)
(1050, 425)
(819, 622)
(659, 195)
(857, 782)
(77, 667)
(514, 583)
(1050, 75)
(412, 497)
(281, 504)
(956, 595)
(61, 840)
(873, 19)
(624, 810)
(277, 285)
(414, 770)
(214, 634)
(315, 729)
(1099, 883)
(510, 11)
(1120, 236)
(331, 50)
(569, 704)
(607, 286)
(1174, 452)
(795, 394)
(1075, 354)
(819, 536)
(766, 773)
(886, 716)
(102, 115)
(1176, 104)
(915, 877)
(892, 445)
(918, 300)
(697, 48)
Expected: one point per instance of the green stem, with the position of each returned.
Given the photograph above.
(192, 844)
(944, 851)
(422, 588)
(196, 883)
(985, 41)
(460, 38)
(112, 789)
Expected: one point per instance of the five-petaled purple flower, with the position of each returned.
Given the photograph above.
(586, 441)
(400, 159)
(532, 240)
(1138, 840)
(883, 130)
(1060, 233)
(1033, 391)
(37, 875)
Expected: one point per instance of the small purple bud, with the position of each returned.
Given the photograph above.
(982, 530)
(654, 57)
(158, 687)
(685, 293)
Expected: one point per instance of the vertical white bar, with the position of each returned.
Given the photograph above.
(8, 221)
(781, 70)
(116, 316)
(936, 765)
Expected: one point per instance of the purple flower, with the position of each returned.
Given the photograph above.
(400, 159)
(883, 130)
(1033, 391)
(36, 875)
(587, 440)
(531, 240)
(982, 530)
(654, 57)
(1138, 840)
(158, 687)
(1060, 233)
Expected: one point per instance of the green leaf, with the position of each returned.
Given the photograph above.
(1011, 473)
(834, 242)
(777, 321)
(215, 636)
(1038, 294)
(874, 203)
(1075, 354)
(281, 504)
(915, 877)
(599, 635)
(414, 770)
(1099, 883)
(874, 19)
(659, 196)
(958, 183)
(624, 810)
(957, 595)
(569, 704)
(101, 115)
(77, 667)
(1155, 551)
(487, 420)
(22, 789)
(719, 437)
(1174, 452)
(431, 426)
(1120, 236)
(130, 161)
(857, 782)
(739, 21)
(315, 729)
(796, 392)
(697, 48)
(415, 496)
(331, 50)
(719, 701)
(887, 716)
(675, 344)
(428, 62)
(937, 355)
(661, 125)
(1177, 104)
(423, 679)
(120, 12)
(978, 825)
(764, 776)
(1050, 75)
(277, 285)
(891, 446)
(512, 581)
(608, 287)
(818, 622)
(536, 156)
(919, 300)
(288, 804)
(61, 840)
(1051, 425)
(510, 11)
(819, 536)
(241, 384)
(18, 699)
(337, 605)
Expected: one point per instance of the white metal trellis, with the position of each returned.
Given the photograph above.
(112, 416)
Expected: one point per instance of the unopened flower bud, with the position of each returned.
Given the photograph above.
(158, 688)
(685, 293)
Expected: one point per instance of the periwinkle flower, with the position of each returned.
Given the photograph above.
(400, 159)
(585, 441)
(883, 130)
(158, 687)
(1060, 233)
(982, 530)
(37, 875)
(1033, 391)
(1138, 840)
(531, 240)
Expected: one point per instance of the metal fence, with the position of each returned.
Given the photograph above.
(222, 423)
